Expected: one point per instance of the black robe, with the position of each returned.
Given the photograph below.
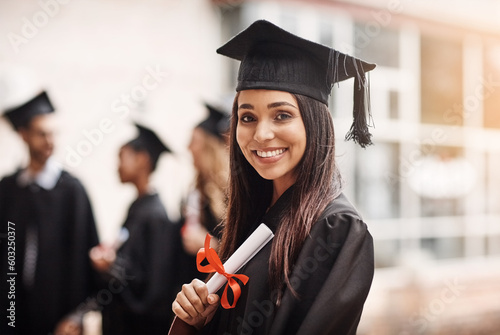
(63, 277)
(332, 276)
(141, 290)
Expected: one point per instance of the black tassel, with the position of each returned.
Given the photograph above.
(332, 75)
(359, 129)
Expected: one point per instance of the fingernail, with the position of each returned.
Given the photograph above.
(210, 299)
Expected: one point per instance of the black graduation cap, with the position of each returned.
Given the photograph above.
(21, 116)
(148, 141)
(217, 122)
(272, 58)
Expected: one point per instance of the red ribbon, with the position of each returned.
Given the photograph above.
(215, 265)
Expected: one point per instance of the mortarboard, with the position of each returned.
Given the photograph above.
(148, 141)
(21, 116)
(217, 122)
(272, 58)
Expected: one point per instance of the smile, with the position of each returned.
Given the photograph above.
(267, 154)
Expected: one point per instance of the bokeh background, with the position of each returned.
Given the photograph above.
(429, 188)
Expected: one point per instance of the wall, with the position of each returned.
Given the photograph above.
(91, 55)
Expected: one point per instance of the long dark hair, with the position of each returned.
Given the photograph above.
(318, 182)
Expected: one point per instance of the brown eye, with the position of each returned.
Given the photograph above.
(246, 118)
(283, 116)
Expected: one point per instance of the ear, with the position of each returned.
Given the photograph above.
(144, 160)
(23, 132)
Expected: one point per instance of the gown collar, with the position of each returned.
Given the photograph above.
(272, 217)
(46, 179)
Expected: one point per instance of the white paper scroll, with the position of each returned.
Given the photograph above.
(121, 239)
(253, 244)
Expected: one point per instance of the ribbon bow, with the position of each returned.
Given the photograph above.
(215, 265)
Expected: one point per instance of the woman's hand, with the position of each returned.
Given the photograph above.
(194, 305)
(193, 238)
(68, 327)
(102, 257)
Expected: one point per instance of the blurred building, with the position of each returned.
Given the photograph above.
(430, 186)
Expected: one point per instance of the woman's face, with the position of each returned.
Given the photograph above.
(196, 146)
(271, 133)
(129, 164)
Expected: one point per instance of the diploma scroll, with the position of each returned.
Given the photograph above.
(252, 245)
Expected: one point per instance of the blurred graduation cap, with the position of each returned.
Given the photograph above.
(148, 141)
(272, 58)
(22, 115)
(217, 122)
(22, 95)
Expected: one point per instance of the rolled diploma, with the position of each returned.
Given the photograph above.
(253, 244)
(122, 238)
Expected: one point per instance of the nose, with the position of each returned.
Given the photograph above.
(190, 146)
(49, 139)
(263, 132)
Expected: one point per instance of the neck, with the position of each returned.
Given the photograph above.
(278, 190)
(142, 184)
(35, 166)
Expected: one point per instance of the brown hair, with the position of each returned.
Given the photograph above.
(212, 181)
(318, 182)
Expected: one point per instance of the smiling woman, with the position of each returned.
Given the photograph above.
(271, 135)
(315, 276)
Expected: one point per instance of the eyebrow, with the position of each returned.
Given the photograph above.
(269, 106)
(245, 106)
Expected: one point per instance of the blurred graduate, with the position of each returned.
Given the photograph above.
(141, 265)
(205, 204)
(48, 212)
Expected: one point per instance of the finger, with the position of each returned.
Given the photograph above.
(73, 329)
(201, 290)
(109, 256)
(213, 299)
(209, 312)
(95, 253)
(194, 298)
(179, 311)
(187, 305)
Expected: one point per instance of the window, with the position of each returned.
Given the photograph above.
(380, 46)
(441, 81)
(377, 191)
(491, 90)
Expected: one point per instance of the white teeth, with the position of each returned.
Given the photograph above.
(273, 153)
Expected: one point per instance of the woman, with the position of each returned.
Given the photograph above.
(138, 269)
(205, 205)
(315, 275)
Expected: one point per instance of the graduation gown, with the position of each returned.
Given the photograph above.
(332, 276)
(143, 280)
(65, 231)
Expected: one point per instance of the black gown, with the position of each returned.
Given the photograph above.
(63, 277)
(332, 275)
(143, 283)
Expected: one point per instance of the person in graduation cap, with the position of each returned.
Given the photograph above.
(140, 266)
(47, 217)
(315, 275)
(205, 205)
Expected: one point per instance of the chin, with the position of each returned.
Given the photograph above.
(123, 179)
(42, 158)
(268, 175)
